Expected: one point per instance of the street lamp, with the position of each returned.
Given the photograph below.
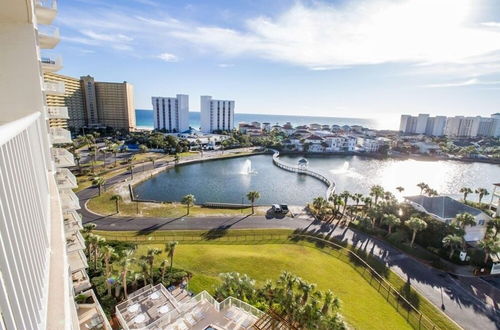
(137, 204)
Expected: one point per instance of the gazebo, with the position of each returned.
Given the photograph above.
(303, 163)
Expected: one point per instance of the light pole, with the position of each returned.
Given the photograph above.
(137, 204)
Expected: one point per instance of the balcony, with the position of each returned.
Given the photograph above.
(77, 261)
(74, 242)
(51, 64)
(60, 136)
(45, 11)
(57, 112)
(54, 88)
(62, 157)
(81, 281)
(48, 36)
(72, 222)
(90, 313)
(69, 201)
(65, 179)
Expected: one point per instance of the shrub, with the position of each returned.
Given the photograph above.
(398, 237)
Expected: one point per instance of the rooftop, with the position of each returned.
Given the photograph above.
(443, 206)
(154, 307)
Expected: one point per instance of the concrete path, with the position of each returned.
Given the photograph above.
(469, 301)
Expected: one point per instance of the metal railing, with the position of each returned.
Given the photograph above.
(51, 87)
(51, 63)
(49, 4)
(69, 201)
(60, 135)
(412, 315)
(62, 157)
(57, 112)
(65, 179)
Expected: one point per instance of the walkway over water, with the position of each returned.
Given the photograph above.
(296, 169)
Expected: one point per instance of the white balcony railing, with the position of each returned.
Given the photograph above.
(65, 179)
(46, 11)
(51, 64)
(72, 221)
(69, 201)
(74, 242)
(59, 135)
(54, 88)
(57, 112)
(48, 36)
(62, 157)
(81, 281)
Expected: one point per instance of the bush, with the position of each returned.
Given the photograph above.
(398, 237)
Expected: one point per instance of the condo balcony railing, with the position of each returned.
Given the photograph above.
(81, 281)
(48, 36)
(57, 112)
(65, 179)
(90, 313)
(74, 242)
(51, 64)
(54, 88)
(59, 135)
(77, 261)
(69, 201)
(72, 222)
(62, 157)
(45, 11)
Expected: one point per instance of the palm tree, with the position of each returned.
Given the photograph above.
(99, 182)
(117, 199)
(125, 262)
(416, 225)
(150, 258)
(115, 150)
(465, 219)
(143, 264)
(163, 267)
(188, 200)
(400, 189)
(77, 158)
(131, 169)
(252, 196)
(170, 250)
(143, 149)
(108, 252)
(494, 224)
(345, 195)
(376, 191)
(465, 191)
(422, 186)
(431, 192)
(152, 160)
(88, 227)
(453, 242)
(488, 245)
(482, 192)
(390, 220)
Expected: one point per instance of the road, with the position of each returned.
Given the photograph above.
(469, 301)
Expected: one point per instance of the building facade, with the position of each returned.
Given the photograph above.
(42, 264)
(171, 113)
(216, 115)
(73, 100)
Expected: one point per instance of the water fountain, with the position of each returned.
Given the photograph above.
(247, 168)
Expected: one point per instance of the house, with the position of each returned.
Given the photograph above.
(446, 209)
(369, 145)
(315, 127)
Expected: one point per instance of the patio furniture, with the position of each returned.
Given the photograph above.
(164, 309)
(154, 295)
(134, 308)
(140, 318)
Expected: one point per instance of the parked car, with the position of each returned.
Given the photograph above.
(276, 208)
(284, 208)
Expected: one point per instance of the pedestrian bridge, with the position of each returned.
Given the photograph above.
(294, 168)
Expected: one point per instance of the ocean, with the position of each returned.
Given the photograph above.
(144, 120)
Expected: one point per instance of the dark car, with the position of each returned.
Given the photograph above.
(284, 208)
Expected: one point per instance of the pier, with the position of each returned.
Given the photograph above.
(296, 169)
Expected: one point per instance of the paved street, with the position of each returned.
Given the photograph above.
(467, 300)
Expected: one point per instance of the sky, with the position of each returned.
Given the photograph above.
(339, 58)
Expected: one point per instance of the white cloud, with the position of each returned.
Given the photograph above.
(359, 33)
(167, 57)
(491, 24)
(225, 65)
(470, 82)
(106, 37)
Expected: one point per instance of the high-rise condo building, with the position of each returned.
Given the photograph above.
(171, 113)
(435, 126)
(216, 115)
(460, 126)
(42, 264)
(73, 100)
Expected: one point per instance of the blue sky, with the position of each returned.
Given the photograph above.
(357, 58)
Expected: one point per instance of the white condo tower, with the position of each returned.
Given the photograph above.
(171, 113)
(216, 115)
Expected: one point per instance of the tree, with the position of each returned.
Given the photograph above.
(143, 149)
(416, 225)
(422, 186)
(319, 204)
(125, 262)
(163, 268)
(482, 192)
(390, 220)
(453, 242)
(77, 158)
(131, 169)
(176, 159)
(494, 225)
(252, 196)
(489, 245)
(152, 160)
(400, 189)
(376, 192)
(465, 219)
(99, 182)
(150, 258)
(345, 195)
(114, 150)
(465, 191)
(430, 192)
(108, 252)
(117, 199)
(170, 250)
(189, 201)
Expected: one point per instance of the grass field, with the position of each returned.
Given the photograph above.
(207, 262)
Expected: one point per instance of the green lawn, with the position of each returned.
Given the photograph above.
(362, 306)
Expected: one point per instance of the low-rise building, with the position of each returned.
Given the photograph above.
(446, 209)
